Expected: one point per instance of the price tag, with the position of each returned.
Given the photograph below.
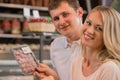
(26, 50)
(36, 14)
(26, 12)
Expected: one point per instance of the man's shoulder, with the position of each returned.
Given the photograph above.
(59, 39)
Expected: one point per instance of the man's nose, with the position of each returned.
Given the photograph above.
(61, 21)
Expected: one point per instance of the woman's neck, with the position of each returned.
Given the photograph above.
(91, 56)
(91, 61)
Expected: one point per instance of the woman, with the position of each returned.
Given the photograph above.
(100, 58)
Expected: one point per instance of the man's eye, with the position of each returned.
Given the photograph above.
(56, 19)
(65, 14)
(88, 23)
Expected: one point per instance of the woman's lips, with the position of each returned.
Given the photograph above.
(88, 37)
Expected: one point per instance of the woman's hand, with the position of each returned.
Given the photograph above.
(48, 78)
(45, 72)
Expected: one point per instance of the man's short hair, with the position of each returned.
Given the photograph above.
(56, 3)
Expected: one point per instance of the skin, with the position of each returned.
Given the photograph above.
(92, 34)
(67, 21)
(92, 40)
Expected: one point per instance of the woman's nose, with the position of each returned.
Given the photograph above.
(91, 30)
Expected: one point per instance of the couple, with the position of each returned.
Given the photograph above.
(93, 50)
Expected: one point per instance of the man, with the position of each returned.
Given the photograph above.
(67, 17)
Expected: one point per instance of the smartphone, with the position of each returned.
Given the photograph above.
(25, 58)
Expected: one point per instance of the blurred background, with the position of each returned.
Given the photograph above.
(14, 30)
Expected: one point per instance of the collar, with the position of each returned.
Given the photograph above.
(68, 45)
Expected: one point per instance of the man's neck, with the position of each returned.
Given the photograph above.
(71, 39)
(74, 36)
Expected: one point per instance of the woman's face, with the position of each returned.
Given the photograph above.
(93, 31)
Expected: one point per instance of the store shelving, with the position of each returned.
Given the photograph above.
(8, 64)
(29, 35)
(19, 6)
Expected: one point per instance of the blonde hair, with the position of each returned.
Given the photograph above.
(111, 32)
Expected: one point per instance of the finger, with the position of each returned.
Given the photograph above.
(42, 69)
(43, 65)
(41, 75)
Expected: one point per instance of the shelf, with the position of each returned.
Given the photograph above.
(14, 62)
(21, 7)
(18, 36)
(17, 6)
(28, 36)
(3, 15)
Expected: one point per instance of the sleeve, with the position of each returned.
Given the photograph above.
(111, 72)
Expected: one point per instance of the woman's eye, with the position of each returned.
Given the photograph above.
(99, 28)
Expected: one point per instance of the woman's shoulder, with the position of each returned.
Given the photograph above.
(109, 70)
(110, 67)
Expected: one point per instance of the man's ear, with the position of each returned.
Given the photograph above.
(80, 11)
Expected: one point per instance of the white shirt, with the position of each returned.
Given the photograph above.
(62, 55)
(107, 71)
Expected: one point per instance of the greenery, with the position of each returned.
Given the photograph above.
(116, 5)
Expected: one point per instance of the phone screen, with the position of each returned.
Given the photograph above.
(25, 58)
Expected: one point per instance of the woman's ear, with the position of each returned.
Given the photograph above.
(80, 11)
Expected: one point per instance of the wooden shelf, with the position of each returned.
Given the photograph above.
(3, 15)
(28, 36)
(17, 6)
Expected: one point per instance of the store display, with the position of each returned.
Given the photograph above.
(18, 25)
(33, 2)
(6, 26)
(46, 2)
(39, 2)
(25, 27)
(26, 59)
(15, 1)
(15, 26)
(41, 25)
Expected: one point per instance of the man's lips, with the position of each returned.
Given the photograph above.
(63, 27)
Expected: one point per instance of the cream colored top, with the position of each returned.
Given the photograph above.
(107, 71)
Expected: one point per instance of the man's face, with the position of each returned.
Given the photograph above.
(65, 19)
